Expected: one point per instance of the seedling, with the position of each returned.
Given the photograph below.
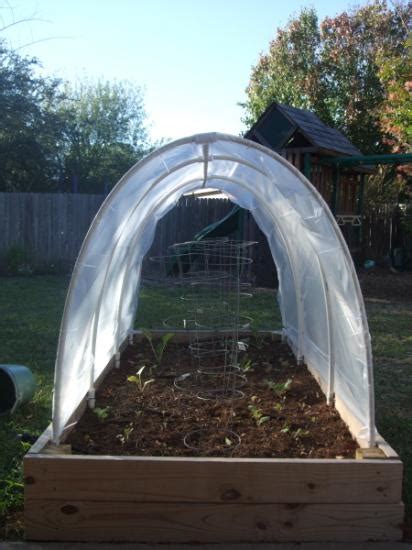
(125, 435)
(138, 380)
(300, 433)
(257, 415)
(245, 365)
(278, 407)
(280, 388)
(101, 412)
(159, 348)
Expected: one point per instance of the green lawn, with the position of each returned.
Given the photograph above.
(30, 313)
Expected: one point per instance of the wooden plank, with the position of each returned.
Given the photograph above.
(149, 522)
(166, 479)
(370, 452)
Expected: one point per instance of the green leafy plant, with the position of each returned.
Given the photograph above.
(245, 365)
(280, 388)
(158, 348)
(125, 435)
(257, 415)
(138, 380)
(278, 407)
(300, 432)
(101, 413)
(285, 429)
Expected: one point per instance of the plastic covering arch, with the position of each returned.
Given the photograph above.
(322, 308)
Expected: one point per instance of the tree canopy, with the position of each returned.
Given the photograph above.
(103, 132)
(344, 69)
(29, 129)
(55, 136)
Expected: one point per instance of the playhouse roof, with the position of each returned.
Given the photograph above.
(280, 124)
(321, 304)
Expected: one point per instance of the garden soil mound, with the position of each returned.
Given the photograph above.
(276, 409)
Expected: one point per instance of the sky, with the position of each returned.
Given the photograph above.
(192, 58)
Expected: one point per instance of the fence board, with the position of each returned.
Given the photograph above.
(51, 228)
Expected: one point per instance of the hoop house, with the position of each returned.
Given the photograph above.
(322, 309)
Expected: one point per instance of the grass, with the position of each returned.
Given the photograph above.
(158, 304)
(31, 308)
(390, 325)
(30, 314)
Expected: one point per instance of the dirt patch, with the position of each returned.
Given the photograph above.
(384, 284)
(276, 410)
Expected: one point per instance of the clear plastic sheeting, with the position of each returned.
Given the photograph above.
(322, 308)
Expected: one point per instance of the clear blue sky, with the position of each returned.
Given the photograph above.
(192, 57)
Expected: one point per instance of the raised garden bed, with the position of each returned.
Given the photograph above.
(125, 474)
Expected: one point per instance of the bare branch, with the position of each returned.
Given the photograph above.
(23, 20)
(43, 40)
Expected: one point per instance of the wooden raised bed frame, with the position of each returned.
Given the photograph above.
(175, 500)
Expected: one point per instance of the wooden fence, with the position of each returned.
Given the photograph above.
(49, 229)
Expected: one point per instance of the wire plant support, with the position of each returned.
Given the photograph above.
(211, 276)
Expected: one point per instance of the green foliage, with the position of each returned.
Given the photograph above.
(101, 413)
(52, 132)
(257, 415)
(29, 128)
(332, 68)
(104, 132)
(280, 388)
(290, 72)
(245, 365)
(396, 109)
(31, 309)
(159, 348)
(157, 304)
(126, 433)
(138, 380)
(300, 432)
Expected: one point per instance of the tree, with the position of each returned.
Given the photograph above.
(290, 72)
(104, 133)
(52, 133)
(333, 69)
(396, 118)
(29, 129)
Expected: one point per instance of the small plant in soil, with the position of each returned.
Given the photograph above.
(125, 435)
(300, 432)
(291, 406)
(245, 365)
(158, 348)
(138, 380)
(278, 407)
(101, 413)
(257, 415)
(280, 388)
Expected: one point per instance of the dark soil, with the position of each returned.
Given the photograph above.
(383, 284)
(297, 422)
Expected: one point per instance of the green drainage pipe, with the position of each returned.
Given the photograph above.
(17, 386)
